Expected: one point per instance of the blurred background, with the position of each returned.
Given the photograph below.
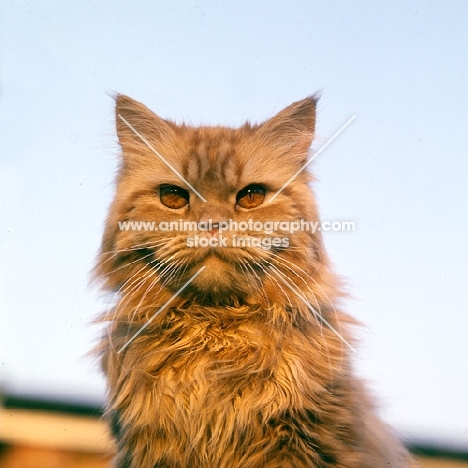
(399, 171)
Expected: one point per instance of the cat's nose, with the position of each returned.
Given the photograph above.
(214, 228)
(210, 227)
(212, 218)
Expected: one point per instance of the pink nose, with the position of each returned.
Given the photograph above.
(214, 229)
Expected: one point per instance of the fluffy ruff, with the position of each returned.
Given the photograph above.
(240, 387)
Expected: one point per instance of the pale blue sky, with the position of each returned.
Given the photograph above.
(400, 170)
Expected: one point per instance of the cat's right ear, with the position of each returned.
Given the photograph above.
(291, 131)
(138, 127)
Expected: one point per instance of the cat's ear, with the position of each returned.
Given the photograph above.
(291, 131)
(136, 123)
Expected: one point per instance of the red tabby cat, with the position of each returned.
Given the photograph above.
(221, 353)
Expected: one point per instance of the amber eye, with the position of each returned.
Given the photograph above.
(251, 196)
(173, 197)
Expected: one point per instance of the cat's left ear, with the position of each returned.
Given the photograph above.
(134, 121)
(291, 131)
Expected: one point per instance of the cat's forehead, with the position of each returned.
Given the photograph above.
(214, 157)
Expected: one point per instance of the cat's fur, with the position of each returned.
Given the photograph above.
(237, 371)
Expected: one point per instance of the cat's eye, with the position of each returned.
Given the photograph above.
(173, 196)
(251, 196)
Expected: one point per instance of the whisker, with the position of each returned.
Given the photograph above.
(318, 285)
(139, 281)
(278, 271)
(272, 277)
(257, 279)
(281, 261)
(318, 320)
(138, 260)
(304, 299)
(113, 253)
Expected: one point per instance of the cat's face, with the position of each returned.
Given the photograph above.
(180, 178)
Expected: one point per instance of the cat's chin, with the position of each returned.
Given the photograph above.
(219, 281)
(215, 262)
(217, 274)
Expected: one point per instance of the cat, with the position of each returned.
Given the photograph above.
(228, 356)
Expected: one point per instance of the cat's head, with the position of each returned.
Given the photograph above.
(179, 177)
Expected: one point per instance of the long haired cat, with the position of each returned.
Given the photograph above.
(222, 353)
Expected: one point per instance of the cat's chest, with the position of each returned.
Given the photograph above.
(227, 364)
(216, 351)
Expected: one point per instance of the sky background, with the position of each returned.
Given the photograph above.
(400, 170)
